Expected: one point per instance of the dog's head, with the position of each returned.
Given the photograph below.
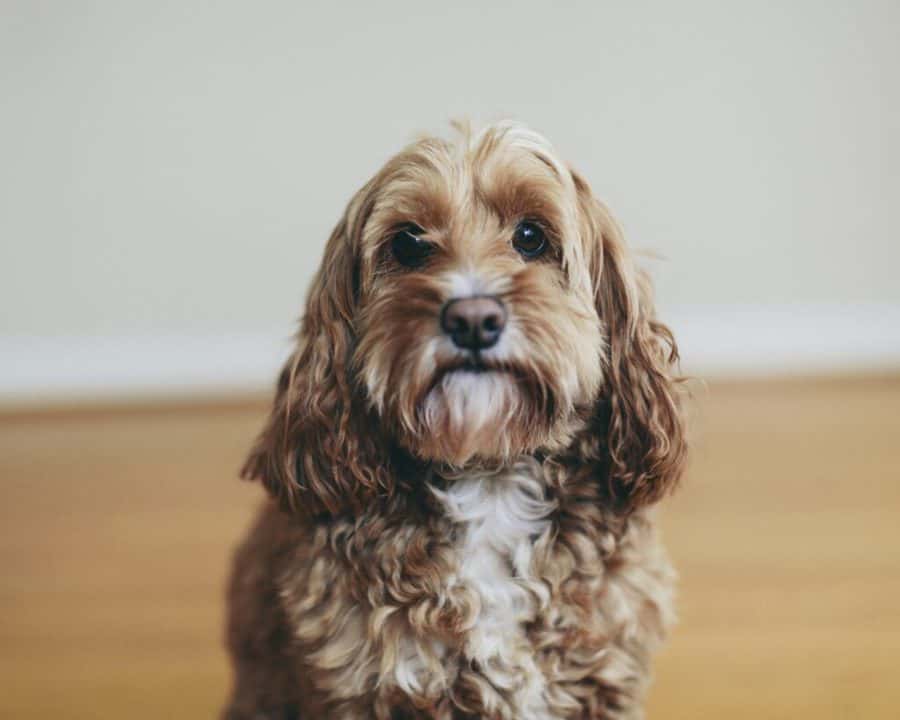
(475, 303)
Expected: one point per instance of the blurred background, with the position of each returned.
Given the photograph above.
(169, 173)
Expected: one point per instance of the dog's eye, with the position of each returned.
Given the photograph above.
(529, 239)
(410, 249)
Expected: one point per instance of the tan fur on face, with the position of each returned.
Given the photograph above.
(410, 489)
(469, 200)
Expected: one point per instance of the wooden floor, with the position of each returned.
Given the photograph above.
(116, 527)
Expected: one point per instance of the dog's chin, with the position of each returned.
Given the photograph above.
(474, 413)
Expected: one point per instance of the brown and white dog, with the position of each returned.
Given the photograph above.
(465, 445)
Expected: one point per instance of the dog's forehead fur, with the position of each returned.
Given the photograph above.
(469, 192)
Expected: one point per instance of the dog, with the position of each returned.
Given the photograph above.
(465, 448)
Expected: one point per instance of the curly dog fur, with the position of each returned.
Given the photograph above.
(461, 527)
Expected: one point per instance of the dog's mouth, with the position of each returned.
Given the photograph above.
(469, 365)
(473, 365)
(473, 380)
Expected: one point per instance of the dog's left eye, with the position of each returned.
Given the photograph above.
(529, 239)
(410, 249)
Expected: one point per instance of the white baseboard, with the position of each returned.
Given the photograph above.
(759, 341)
(38, 370)
(733, 341)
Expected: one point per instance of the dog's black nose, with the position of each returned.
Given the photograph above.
(474, 323)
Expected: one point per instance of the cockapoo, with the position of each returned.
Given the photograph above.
(465, 446)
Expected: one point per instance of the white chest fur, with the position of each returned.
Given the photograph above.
(500, 516)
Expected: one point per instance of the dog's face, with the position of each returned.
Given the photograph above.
(477, 334)
(475, 303)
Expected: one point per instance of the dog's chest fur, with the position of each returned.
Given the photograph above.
(499, 518)
(494, 608)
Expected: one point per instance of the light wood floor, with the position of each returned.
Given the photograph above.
(116, 527)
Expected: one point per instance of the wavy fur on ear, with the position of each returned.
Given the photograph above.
(320, 451)
(639, 425)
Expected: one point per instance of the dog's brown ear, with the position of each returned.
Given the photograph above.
(638, 418)
(320, 451)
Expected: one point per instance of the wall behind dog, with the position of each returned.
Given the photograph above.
(171, 171)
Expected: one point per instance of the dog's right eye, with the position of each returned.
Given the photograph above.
(409, 248)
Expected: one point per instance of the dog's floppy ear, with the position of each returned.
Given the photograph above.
(638, 418)
(320, 451)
